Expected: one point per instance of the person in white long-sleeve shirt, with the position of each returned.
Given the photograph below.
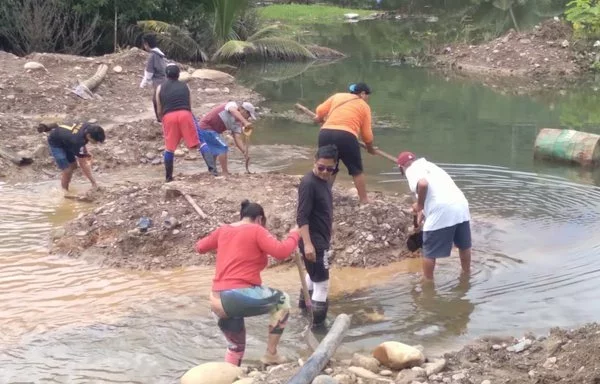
(443, 208)
(154, 72)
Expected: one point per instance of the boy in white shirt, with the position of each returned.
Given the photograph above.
(444, 209)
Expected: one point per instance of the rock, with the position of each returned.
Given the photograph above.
(117, 69)
(370, 237)
(324, 379)
(156, 161)
(351, 16)
(179, 152)
(419, 372)
(329, 371)
(565, 44)
(434, 367)
(406, 376)
(486, 382)
(396, 355)
(212, 373)
(550, 363)
(57, 233)
(361, 372)
(212, 91)
(34, 65)
(520, 346)
(343, 379)
(369, 363)
(81, 234)
(150, 155)
(254, 374)
(597, 43)
(10, 97)
(386, 372)
(496, 347)
(211, 74)
(525, 41)
(459, 376)
(185, 77)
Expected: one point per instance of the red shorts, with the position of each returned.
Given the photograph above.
(179, 125)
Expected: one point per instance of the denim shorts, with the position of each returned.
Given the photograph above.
(214, 141)
(62, 158)
(438, 243)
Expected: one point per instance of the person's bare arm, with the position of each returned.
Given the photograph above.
(422, 187)
(238, 116)
(237, 138)
(159, 107)
(86, 168)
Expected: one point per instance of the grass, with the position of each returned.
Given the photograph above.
(298, 14)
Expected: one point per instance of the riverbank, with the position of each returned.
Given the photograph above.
(548, 56)
(567, 356)
(30, 96)
(113, 233)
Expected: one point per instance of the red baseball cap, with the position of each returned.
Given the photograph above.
(404, 158)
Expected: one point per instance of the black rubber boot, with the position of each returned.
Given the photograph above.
(301, 302)
(169, 170)
(320, 313)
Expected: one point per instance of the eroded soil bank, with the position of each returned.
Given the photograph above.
(562, 356)
(111, 234)
(548, 56)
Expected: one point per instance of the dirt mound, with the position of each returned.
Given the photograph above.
(28, 96)
(541, 56)
(564, 356)
(364, 236)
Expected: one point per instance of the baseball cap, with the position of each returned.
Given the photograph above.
(404, 158)
(172, 71)
(250, 108)
(359, 88)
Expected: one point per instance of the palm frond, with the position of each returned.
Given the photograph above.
(226, 12)
(281, 48)
(234, 50)
(174, 41)
(273, 30)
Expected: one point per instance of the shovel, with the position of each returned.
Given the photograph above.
(307, 334)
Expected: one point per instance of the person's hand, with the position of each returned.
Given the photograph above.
(309, 252)
(372, 150)
(317, 120)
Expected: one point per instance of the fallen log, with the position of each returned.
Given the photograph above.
(15, 158)
(318, 360)
(85, 88)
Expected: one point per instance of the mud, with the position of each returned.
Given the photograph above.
(546, 57)
(364, 236)
(562, 356)
(28, 97)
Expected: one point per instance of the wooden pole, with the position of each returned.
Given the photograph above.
(194, 205)
(318, 360)
(378, 151)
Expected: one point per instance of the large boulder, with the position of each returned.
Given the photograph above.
(396, 355)
(211, 74)
(212, 373)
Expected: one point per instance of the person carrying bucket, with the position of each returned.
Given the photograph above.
(441, 208)
(237, 291)
(314, 216)
(227, 117)
(345, 117)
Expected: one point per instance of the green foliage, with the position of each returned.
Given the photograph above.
(264, 44)
(299, 14)
(585, 17)
(226, 14)
(175, 42)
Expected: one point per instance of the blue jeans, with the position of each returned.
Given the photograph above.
(62, 158)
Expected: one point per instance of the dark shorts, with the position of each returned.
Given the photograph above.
(62, 158)
(348, 148)
(317, 270)
(438, 243)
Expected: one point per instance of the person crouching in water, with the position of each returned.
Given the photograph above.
(68, 147)
(315, 218)
(175, 110)
(237, 290)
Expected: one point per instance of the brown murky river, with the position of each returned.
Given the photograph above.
(67, 321)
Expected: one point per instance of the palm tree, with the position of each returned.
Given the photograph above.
(176, 42)
(264, 44)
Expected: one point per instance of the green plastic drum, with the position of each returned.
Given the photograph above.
(567, 145)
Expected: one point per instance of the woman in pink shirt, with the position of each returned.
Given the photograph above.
(237, 291)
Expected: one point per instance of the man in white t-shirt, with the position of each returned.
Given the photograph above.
(444, 209)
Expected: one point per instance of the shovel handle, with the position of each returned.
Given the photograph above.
(302, 280)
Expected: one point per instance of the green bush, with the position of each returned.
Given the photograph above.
(585, 17)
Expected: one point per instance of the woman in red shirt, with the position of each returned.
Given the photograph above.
(237, 291)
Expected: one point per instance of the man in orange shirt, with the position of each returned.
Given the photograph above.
(345, 117)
